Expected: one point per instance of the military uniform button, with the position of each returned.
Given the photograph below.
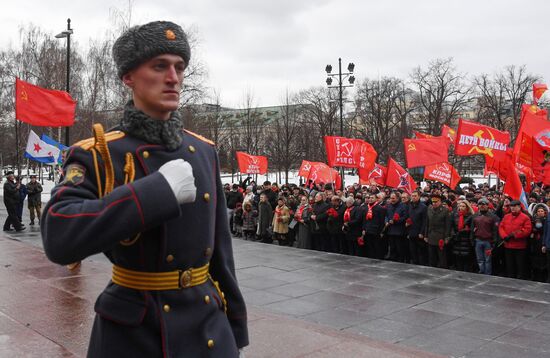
(206, 197)
(191, 149)
(208, 252)
(207, 299)
(145, 154)
(169, 258)
(210, 343)
(166, 308)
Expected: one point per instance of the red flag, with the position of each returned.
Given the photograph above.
(449, 133)
(499, 167)
(422, 152)
(534, 123)
(399, 178)
(474, 138)
(340, 151)
(251, 164)
(538, 91)
(377, 176)
(43, 107)
(420, 135)
(444, 173)
(534, 156)
(513, 187)
(321, 173)
(337, 178)
(365, 157)
(305, 168)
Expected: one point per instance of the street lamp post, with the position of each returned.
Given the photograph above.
(341, 85)
(67, 34)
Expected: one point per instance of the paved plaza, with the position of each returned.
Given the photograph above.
(301, 304)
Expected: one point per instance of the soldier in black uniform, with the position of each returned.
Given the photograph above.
(149, 196)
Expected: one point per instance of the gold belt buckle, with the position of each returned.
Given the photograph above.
(185, 278)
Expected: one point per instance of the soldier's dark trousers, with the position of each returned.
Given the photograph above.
(436, 256)
(32, 210)
(12, 218)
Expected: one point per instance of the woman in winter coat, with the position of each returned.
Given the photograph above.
(462, 245)
(249, 217)
(281, 219)
(539, 214)
(303, 234)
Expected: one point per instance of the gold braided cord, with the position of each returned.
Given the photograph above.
(103, 149)
(98, 178)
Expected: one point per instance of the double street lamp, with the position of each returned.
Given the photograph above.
(67, 34)
(341, 77)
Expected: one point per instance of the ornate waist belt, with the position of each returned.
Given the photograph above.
(159, 281)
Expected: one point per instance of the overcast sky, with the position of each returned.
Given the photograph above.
(269, 46)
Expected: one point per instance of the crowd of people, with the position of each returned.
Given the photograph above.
(473, 228)
(14, 193)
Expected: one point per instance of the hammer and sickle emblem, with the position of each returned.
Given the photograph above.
(487, 151)
(411, 147)
(24, 95)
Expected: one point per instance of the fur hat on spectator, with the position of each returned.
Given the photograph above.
(140, 43)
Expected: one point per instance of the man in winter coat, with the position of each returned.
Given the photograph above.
(352, 228)
(514, 229)
(437, 233)
(416, 226)
(265, 217)
(318, 222)
(34, 190)
(373, 224)
(396, 216)
(11, 201)
(335, 220)
(233, 197)
(484, 231)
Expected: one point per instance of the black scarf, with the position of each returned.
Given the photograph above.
(140, 125)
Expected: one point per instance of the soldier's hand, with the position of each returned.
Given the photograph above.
(179, 175)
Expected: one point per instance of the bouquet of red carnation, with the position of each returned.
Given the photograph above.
(396, 217)
(332, 212)
(369, 215)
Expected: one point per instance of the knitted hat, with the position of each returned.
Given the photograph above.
(143, 42)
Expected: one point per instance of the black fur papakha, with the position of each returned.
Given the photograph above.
(141, 43)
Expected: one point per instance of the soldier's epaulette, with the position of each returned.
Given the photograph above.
(198, 136)
(88, 143)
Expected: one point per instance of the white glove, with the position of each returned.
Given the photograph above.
(179, 175)
(241, 353)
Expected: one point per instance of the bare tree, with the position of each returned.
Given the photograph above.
(442, 94)
(283, 130)
(251, 123)
(381, 109)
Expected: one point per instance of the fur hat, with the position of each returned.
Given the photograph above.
(143, 42)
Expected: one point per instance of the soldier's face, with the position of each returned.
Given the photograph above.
(156, 85)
